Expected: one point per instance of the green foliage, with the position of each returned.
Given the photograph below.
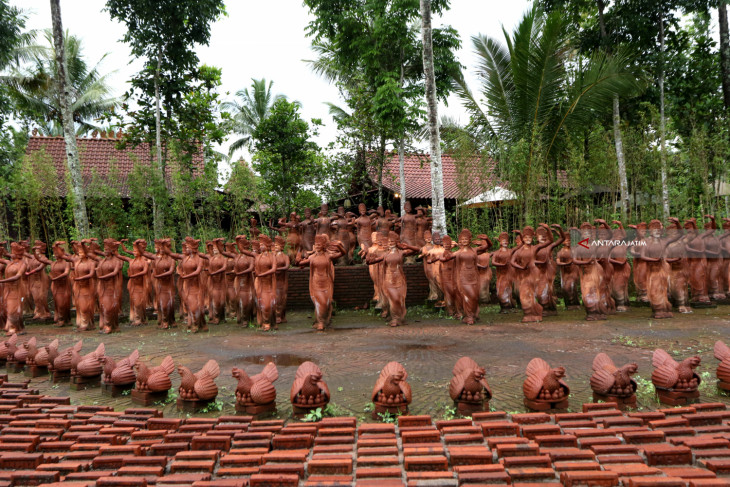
(286, 159)
(313, 416)
(387, 417)
(107, 217)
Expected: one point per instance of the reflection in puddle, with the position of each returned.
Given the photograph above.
(282, 359)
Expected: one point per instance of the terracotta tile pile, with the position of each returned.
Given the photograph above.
(46, 441)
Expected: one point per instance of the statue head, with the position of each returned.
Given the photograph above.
(110, 246)
(691, 225)
(586, 230)
(503, 239)
(528, 233)
(436, 238)
(407, 206)
(465, 238)
(58, 248)
(427, 236)
(279, 243)
(321, 241)
(362, 209)
(266, 242)
(447, 243)
(393, 240)
(655, 228)
(307, 212)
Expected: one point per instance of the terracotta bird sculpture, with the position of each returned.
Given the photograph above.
(609, 380)
(469, 384)
(21, 352)
(545, 384)
(45, 356)
(155, 379)
(256, 390)
(309, 391)
(670, 374)
(121, 373)
(90, 365)
(62, 362)
(201, 385)
(391, 388)
(8, 347)
(722, 353)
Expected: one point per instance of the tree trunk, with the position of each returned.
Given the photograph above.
(724, 52)
(402, 173)
(662, 123)
(158, 215)
(381, 163)
(437, 181)
(617, 137)
(81, 218)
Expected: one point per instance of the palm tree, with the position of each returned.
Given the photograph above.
(33, 86)
(249, 110)
(537, 92)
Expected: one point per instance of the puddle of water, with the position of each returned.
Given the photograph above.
(280, 359)
(420, 346)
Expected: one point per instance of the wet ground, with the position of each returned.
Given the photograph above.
(352, 354)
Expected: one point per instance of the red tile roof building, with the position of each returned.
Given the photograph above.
(100, 156)
(464, 177)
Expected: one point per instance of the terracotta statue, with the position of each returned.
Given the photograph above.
(454, 305)
(324, 221)
(569, 275)
(164, 276)
(341, 225)
(603, 257)
(120, 373)
(308, 230)
(726, 255)
(256, 394)
(547, 268)
(201, 385)
(230, 275)
(485, 271)
(505, 273)
(293, 234)
(432, 269)
(466, 275)
(394, 280)
(322, 278)
(713, 253)
(189, 271)
(265, 285)
(423, 223)
(657, 277)
(676, 383)
(374, 250)
(722, 353)
(469, 388)
(21, 353)
(639, 265)
(697, 263)
(155, 379)
(38, 283)
(544, 387)
(137, 285)
(309, 391)
(365, 226)
(89, 365)
(217, 265)
(253, 228)
(62, 362)
(44, 356)
(107, 272)
(245, 295)
(391, 394)
(383, 221)
(591, 276)
(60, 283)
(3, 264)
(24, 286)
(527, 275)
(621, 269)
(612, 383)
(282, 279)
(14, 292)
(675, 253)
(408, 229)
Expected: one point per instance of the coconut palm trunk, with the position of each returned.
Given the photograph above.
(724, 52)
(81, 218)
(158, 215)
(663, 123)
(437, 182)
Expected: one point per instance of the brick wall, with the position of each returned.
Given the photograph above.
(353, 286)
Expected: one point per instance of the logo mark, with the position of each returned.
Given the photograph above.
(583, 243)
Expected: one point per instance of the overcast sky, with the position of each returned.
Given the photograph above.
(264, 39)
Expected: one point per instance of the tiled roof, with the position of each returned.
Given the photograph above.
(99, 156)
(464, 177)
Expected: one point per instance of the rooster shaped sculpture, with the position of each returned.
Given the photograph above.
(544, 387)
(89, 365)
(8, 347)
(468, 387)
(722, 353)
(120, 373)
(155, 379)
(21, 352)
(669, 374)
(62, 362)
(201, 385)
(610, 381)
(391, 394)
(45, 356)
(256, 394)
(309, 391)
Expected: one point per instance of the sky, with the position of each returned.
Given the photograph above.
(265, 39)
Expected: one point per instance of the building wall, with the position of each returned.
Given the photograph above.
(353, 287)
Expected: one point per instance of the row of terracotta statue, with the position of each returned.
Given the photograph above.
(679, 266)
(544, 388)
